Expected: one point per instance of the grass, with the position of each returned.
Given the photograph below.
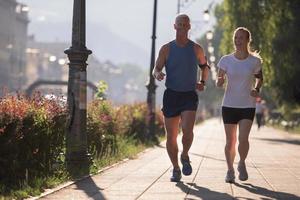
(127, 148)
(295, 130)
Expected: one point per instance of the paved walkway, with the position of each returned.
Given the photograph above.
(273, 166)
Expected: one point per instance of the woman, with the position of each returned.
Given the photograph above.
(238, 107)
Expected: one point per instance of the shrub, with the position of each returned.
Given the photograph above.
(101, 129)
(31, 137)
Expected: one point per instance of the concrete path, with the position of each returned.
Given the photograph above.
(273, 165)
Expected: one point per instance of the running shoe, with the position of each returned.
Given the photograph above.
(230, 176)
(243, 174)
(186, 166)
(176, 175)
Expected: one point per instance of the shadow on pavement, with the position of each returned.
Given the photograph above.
(266, 192)
(288, 141)
(201, 192)
(90, 188)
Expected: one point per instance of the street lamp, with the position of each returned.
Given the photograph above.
(151, 86)
(206, 15)
(182, 4)
(76, 139)
(209, 35)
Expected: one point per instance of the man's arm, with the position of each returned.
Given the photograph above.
(160, 63)
(258, 80)
(258, 83)
(203, 66)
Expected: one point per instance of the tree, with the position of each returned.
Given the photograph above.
(274, 26)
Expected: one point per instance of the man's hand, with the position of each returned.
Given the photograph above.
(200, 86)
(220, 81)
(159, 75)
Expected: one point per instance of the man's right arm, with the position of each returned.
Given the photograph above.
(160, 63)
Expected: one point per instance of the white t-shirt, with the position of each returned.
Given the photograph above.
(240, 79)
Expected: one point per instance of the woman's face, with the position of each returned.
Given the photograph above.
(241, 40)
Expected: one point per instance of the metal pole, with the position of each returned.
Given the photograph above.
(76, 139)
(178, 6)
(151, 86)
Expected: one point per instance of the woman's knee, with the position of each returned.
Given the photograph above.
(243, 140)
(230, 145)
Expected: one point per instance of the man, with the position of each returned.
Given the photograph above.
(181, 57)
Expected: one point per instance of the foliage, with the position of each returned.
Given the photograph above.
(273, 25)
(101, 90)
(101, 129)
(31, 137)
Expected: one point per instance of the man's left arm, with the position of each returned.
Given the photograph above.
(203, 66)
(258, 84)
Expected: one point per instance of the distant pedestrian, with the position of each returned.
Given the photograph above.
(240, 68)
(181, 57)
(260, 113)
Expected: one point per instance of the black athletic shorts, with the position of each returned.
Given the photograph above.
(234, 115)
(176, 102)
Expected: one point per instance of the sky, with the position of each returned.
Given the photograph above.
(129, 20)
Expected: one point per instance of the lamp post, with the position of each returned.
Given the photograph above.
(151, 86)
(186, 3)
(76, 139)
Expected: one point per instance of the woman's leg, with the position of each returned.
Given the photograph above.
(230, 131)
(244, 131)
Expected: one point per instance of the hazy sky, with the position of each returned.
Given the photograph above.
(130, 19)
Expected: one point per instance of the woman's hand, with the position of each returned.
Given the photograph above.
(254, 93)
(220, 81)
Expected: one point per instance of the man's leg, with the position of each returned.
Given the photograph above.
(258, 120)
(187, 123)
(172, 127)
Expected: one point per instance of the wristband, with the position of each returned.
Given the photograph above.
(203, 82)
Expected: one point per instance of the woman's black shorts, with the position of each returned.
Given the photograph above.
(176, 102)
(234, 115)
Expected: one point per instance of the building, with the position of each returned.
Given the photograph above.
(47, 61)
(13, 38)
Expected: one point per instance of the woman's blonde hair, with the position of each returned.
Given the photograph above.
(249, 36)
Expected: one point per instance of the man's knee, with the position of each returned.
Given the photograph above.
(187, 132)
(172, 136)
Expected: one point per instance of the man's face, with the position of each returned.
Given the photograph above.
(182, 24)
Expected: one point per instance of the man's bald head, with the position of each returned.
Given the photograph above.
(182, 17)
